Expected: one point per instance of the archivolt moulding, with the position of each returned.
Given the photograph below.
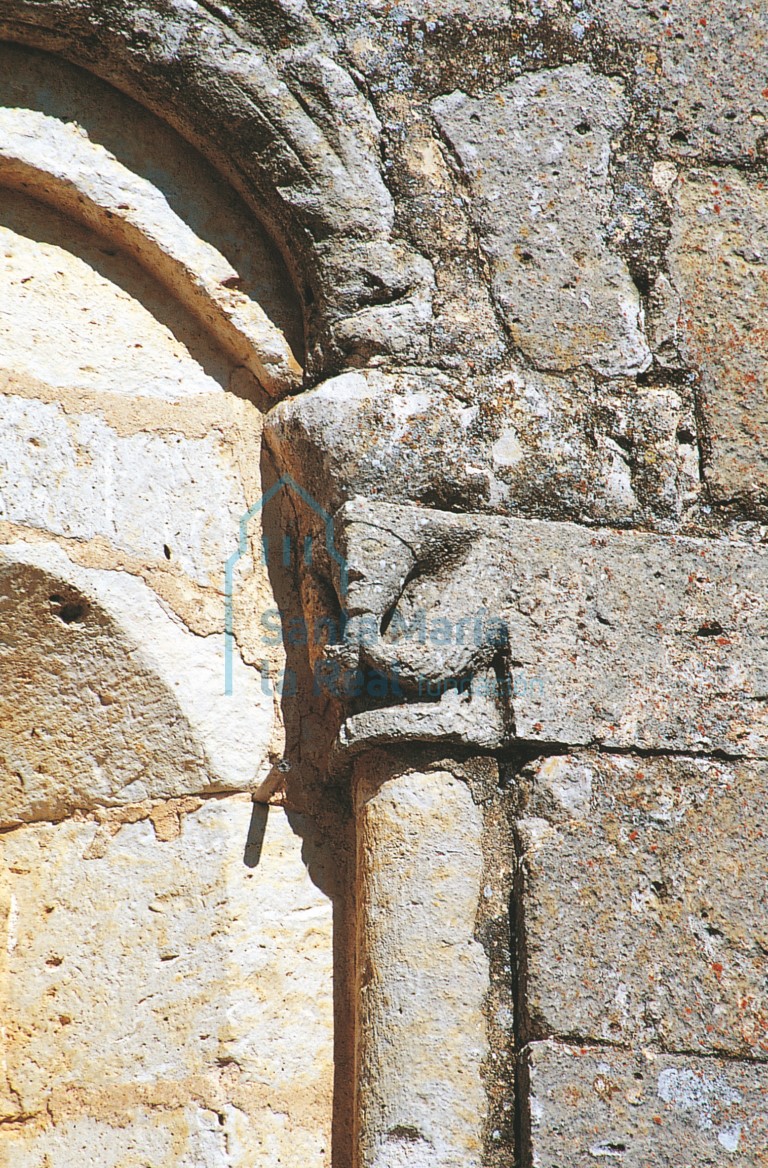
(58, 163)
(289, 128)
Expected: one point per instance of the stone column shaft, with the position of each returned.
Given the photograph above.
(422, 976)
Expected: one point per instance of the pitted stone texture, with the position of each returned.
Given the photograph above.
(171, 1001)
(530, 444)
(719, 263)
(184, 1137)
(568, 447)
(627, 639)
(596, 1105)
(423, 976)
(454, 718)
(437, 10)
(537, 154)
(371, 433)
(107, 700)
(645, 916)
(701, 69)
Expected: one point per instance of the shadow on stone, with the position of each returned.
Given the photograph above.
(255, 839)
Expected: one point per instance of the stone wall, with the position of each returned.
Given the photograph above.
(383, 511)
(168, 977)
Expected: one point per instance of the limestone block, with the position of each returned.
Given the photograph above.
(293, 129)
(371, 433)
(701, 69)
(439, 10)
(169, 1002)
(645, 916)
(74, 475)
(423, 976)
(189, 1137)
(719, 263)
(537, 154)
(107, 699)
(595, 1105)
(625, 638)
(532, 444)
(639, 640)
(64, 291)
(567, 447)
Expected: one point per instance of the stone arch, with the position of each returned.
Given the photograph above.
(122, 484)
(289, 127)
(60, 143)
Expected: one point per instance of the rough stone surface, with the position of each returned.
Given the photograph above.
(370, 433)
(451, 717)
(106, 700)
(199, 958)
(537, 154)
(591, 1105)
(702, 73)
(198, 274)
(62, 294)
(313, 163)
(528, 444)
(622, 638)
(568, 446)
(420, 863)
(719, 262)
(525, 244)
(632, 870)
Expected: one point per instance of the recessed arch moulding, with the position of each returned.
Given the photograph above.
(478, 484)
(98, 570)
(277, 114)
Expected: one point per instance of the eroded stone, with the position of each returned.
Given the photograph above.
(702, 71)
(719, 263)
(537, 153)
(423, 976)
(644, 916)
(619, 637)
(64, 292)
(202, 964)
(532, 444)
(106, 699)
(75, 476)
(595, 1105)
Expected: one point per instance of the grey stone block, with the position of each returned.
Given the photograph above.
(592, 1106)
(537, 154)
(719, 263)
(622, 638)
(645, 910)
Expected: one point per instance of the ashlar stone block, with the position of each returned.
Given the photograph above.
(623, 638)
(591, 1105)
(537, 155)
(645, 915)
(167, 1001)
(719, 264)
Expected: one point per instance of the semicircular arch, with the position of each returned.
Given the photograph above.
(287, 125)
